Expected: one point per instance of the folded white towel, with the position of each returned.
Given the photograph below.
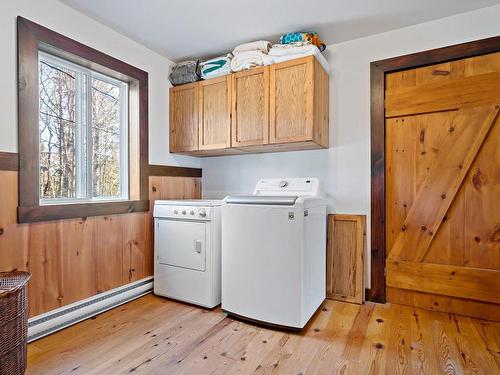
(216, 67)
(311, 52)
(289, 49)
(259, 45)
(250, 59)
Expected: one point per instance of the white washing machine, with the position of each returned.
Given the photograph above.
(187, 264)
(274, 252)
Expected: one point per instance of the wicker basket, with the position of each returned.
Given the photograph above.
(13, 322)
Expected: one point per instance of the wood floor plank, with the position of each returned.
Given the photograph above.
(265, 341)
(153, 335)
(373, 353)
(490, 336)
(399, 345)
(341, 318)
(424, 354)
(467, 338)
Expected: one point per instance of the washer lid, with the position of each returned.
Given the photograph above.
(275, 200)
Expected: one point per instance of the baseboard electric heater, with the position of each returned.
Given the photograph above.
(55, 320)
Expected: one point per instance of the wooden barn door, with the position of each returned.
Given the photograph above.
(442, 186)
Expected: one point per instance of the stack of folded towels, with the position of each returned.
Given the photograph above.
(261, 53)
(251, 55)
(285, 52)
(216, 67)
(295, 45)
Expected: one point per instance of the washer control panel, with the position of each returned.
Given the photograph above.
(289, 186)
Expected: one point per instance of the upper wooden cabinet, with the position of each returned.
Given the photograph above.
(299, 102)
(184, 118)
(279, 107)
(291, 101)
(215, 113)
(250, 110)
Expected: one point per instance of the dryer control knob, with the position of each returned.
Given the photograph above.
(283, 184)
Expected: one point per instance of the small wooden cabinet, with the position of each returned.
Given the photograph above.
(291, 101)
(215, 113)
(250, 110)
(279, 107)
(184, 118)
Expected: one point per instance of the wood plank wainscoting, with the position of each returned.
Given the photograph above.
(435, 179)
(74, 259)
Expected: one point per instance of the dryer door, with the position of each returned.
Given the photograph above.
(181, 243)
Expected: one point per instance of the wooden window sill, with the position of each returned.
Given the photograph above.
(77, 210)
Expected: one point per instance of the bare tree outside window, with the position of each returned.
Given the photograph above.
(83, 130)
(57, 132)
(105, 139)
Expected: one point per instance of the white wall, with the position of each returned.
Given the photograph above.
(345, 167)
(67, 21)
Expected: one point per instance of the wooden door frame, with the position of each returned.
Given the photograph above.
(378, 70)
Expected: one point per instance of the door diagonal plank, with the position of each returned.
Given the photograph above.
(456, 281)
(459, 147)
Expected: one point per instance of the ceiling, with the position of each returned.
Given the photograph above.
(179, 29)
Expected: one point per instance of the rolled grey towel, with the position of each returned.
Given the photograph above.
(185, 72)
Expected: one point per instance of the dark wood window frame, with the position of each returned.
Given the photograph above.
(378, 70)
(31, 38)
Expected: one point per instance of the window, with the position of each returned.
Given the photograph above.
(83, 129)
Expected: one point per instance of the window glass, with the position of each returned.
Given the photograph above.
(83, 133)
(105, 139)
(57, 132)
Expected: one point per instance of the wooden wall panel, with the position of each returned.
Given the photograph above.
(108, 252)
(138, 250)
(74, 259)
(344, 257)
(79, 266)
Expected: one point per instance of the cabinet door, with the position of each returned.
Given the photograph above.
(215, 113)
(291, 101)
(250, 110)
(184, 118)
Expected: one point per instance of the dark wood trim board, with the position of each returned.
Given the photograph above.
(167, 170)
(67, 211)
(9, 161)
(378, 70)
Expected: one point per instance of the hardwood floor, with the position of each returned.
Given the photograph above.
(156, 335)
